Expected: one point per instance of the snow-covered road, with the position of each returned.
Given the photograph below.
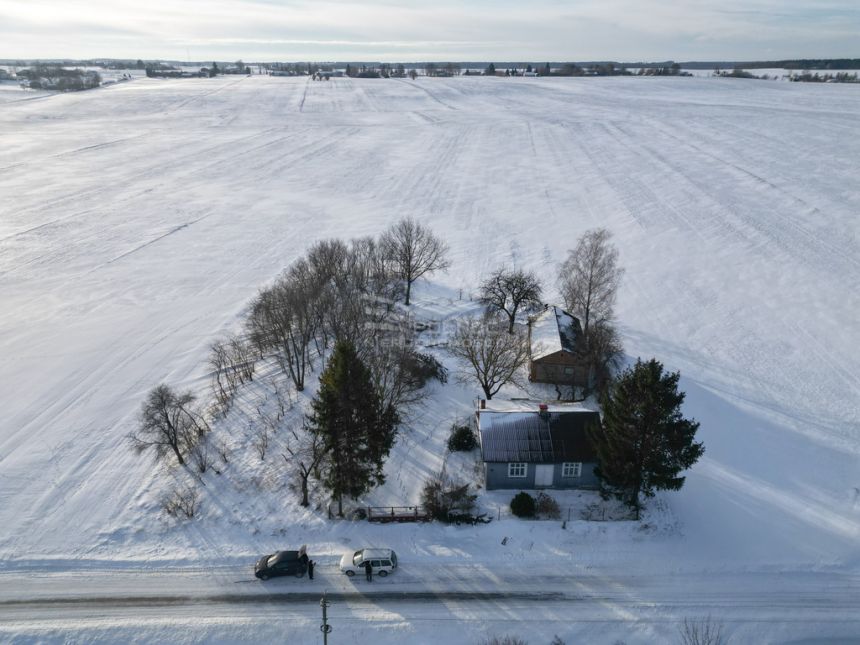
(426, 597)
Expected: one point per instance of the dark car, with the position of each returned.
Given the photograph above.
(282, 563)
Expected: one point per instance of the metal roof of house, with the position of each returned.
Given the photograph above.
(551, 437)
(554, 330)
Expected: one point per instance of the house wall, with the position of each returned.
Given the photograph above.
(551, 369)
(496, 478)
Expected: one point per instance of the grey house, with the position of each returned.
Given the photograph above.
(531, 447)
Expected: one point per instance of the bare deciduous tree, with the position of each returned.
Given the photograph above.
(701, 631)
(260, 440)
(509, 290)
(201, 455)
(222, 386)
(358, 286)
(307, 450)
(589, 277)
(286, 317)
(223, 452)
(374, 273)
(602, 351)
(283, 401)
(345, 293)
(262, 430)
(400, 373)
(241, 358)
(169, 423)
(414, 250)
(183, 502)
(492, 355)
(504, 640)
(232, 362)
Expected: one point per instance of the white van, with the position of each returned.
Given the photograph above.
(383, 561)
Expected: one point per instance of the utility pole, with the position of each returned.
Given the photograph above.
(325, 628)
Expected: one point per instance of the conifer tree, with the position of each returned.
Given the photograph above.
(357, 430)
(645, 442)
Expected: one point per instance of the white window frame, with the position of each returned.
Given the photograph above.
(571, 469)
(514, 469)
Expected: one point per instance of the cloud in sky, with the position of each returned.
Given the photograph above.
(441, 30)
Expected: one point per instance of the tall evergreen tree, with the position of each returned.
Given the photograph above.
(645, 442)
(357, 430)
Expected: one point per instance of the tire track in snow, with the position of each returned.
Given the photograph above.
(176, 162)
(811, 239)
(140, 247)
(203, 95)
(435, 98)
(140, 176)
(306, 151)
(304, 96)
(67, 153)
(638, 198)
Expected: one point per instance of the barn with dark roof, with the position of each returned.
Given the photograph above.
(529, 446)
(554, 335)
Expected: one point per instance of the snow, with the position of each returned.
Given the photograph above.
(138, 220)
(546, 331)
(520, 404)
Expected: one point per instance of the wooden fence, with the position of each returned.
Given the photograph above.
(385, 514)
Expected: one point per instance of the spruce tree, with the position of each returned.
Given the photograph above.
(357, 430)
(645, 442)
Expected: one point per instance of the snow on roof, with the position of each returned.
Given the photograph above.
(554, 330)
(530, 405)
(534, 437)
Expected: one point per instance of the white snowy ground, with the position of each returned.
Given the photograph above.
(136, 222)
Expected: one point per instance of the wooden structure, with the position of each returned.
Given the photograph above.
(386, 514)
(553, 338)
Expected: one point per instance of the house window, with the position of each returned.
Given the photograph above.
(568, 371)
(571, 469)
(517, 469)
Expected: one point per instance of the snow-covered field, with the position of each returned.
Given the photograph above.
(136, 222)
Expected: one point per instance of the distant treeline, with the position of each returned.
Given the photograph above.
(798, 63)
(44, 76)
(161, 70)
(793, 63)
(805, 77)
(809, 77)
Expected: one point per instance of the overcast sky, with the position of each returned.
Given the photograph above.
(389, 30)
